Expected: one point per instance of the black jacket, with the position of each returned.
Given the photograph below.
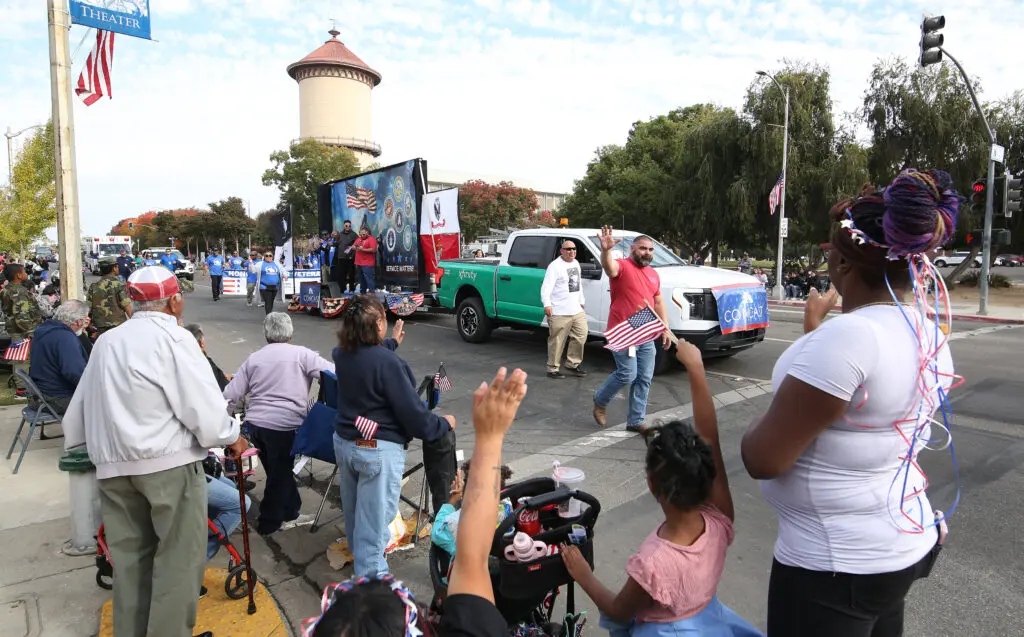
(345, 241)
(375, 383)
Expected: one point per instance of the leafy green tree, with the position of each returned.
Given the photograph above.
(29, 202)
(483, 206)
(299, 170)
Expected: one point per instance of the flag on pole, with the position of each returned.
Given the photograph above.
(367, 428)
(18, 350)
(94, 82)
(642, 327)
(441, 380)
(775, 196)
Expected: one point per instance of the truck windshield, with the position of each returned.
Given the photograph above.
(662, 255)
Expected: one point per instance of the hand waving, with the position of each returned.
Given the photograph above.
(607, 240)
(398, 331)
(495, 405)
(818, 306)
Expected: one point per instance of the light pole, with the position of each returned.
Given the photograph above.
(10, 152)
(782, 199)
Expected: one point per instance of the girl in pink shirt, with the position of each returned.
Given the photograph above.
(673, 578)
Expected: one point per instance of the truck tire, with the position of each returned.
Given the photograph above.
(472, 322)
(664, 359)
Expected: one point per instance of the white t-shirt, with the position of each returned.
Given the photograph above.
(562, 288)
(839, 504)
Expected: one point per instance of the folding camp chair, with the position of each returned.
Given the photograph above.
(38, 413)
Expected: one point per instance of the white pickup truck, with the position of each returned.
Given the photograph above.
(489, 293)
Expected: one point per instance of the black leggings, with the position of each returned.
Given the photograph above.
(268, 295)
(803, 603)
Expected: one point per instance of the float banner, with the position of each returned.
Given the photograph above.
(130, 17)
(296, 278)
(440, 212)
(741, 306)
(309, 294)
(437, 248)
(384, 202)
(233, 283)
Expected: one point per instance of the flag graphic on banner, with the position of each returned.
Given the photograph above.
(94, 82)
(367, 428)
(441, 380)
(18, 350)
(642, 327)
(360, 198)
(232, 285)
(417, 299)
(775, 196)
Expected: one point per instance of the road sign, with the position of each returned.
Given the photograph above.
(784, 228)
(998, 153)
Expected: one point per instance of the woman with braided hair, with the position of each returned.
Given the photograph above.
(673, 579)
(853, 405)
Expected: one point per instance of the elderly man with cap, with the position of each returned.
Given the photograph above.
(148, 408)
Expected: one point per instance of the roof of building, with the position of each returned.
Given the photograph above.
(334, 53)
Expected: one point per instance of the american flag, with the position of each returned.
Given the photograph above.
(360, 198)
(94, 82)
(367, 428)
(775, 196)
(642, 327)
(18, 350)
(416, 299)
(441, 380)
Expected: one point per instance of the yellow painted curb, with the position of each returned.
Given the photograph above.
(224, 616)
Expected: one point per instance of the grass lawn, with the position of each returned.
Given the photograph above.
(733, 264)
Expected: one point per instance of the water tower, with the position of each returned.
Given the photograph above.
(334, 98)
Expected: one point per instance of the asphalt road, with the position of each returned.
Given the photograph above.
(976, 589)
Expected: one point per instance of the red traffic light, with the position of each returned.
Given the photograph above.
(979, 186)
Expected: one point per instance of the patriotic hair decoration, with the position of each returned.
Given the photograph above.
(332, 591)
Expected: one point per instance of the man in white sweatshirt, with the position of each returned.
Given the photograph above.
(562, 296)
(147, 408)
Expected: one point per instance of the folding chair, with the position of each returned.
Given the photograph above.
(38, 413)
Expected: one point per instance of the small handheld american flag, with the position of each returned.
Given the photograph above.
(441, 380)
(642, 327)
(367, 428)
(18, 350)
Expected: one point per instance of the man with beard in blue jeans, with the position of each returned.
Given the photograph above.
(634, 285)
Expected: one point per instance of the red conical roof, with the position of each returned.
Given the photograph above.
(334, 53)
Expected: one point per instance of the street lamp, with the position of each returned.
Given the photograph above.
(782, 200)
(10, 154)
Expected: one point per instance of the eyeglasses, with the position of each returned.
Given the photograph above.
(569, 249)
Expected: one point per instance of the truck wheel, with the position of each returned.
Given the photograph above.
(472, 322)
(664, 359)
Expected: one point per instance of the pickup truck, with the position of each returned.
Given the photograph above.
(489, 293)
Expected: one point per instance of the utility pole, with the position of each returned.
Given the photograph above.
(779, 287)
(68, 234)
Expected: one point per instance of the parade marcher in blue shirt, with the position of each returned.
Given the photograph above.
(270, 278)
(125, 265)
(170, 261)
(252, 267)
(235, 262)
(215, 265)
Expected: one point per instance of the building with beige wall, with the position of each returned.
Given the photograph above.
(335, 98)
(548, 197)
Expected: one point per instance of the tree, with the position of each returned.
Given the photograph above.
(483, 206)
(299, 170)
(30, 201)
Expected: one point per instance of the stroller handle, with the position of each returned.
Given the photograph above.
(562, 494)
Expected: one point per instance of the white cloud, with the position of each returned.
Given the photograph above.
(524, 88)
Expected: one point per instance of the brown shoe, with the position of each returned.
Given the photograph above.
(638, 429)
(599, 415)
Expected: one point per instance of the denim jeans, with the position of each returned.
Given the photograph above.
(371, 483)
(715, 620)
(366, 283)
(223, 508)
(636, 372)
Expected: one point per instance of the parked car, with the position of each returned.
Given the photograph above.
(489, 293)
(1010, 260)
(956, 259)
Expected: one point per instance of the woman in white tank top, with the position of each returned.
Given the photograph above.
(854, 398)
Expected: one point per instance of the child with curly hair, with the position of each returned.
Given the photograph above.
(673, 578)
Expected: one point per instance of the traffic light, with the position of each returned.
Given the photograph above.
(970, 239)
(1011, 195)
(931, 40)
(978, 197)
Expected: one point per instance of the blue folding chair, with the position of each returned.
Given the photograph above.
(38, 413)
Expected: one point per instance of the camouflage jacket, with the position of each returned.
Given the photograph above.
(108, 303)
(22, 310)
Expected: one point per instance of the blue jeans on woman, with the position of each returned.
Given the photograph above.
(636, 372)
(371, 484)
(224, 508)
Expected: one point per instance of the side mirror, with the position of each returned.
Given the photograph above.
(590, 271)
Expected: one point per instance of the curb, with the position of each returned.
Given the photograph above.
(977, 318)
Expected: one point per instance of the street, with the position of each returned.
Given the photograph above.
(978, 572)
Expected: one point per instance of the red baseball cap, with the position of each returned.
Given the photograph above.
(152, 283)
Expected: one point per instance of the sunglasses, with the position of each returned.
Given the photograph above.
(569, 249)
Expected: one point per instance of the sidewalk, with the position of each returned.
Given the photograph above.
(46, 593)
(961, 312)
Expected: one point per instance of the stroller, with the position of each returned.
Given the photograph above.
(525, 592)
(235, 585)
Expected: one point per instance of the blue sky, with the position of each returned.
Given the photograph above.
(518, 88)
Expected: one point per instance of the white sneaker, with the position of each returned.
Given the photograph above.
(302, 520)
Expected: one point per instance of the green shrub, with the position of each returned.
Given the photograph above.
(972, 278)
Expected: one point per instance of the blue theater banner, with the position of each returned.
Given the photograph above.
(129, 17)
(741, 307)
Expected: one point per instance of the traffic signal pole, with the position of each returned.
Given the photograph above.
(990, 188)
